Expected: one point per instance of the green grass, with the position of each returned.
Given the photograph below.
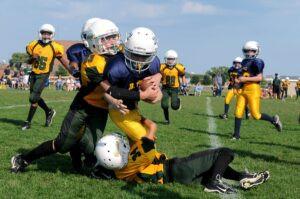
(261, 147)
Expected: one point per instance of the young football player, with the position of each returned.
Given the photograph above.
(42, 53)
(250, 95)
(233, 88)
(171, 72)
(285, 85)
(136, 69)
(142, 163)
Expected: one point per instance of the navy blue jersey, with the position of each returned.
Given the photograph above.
(118, 74)
(252, 67)
(234, 73)
(77, 52)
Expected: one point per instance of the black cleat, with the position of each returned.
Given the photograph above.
(277, 123)
(49, 117)
(167, 122)
(217, 186)
(18, 164)
(249, 180)
(223, 116)
(26, 125)
(234, 138)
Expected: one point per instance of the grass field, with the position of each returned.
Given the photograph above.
(261, 147)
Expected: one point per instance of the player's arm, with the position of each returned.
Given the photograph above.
(256, 78)
(116, 104)
(65, 63)
(125, 94)
(151, 128)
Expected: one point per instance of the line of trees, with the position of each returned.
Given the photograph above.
(207, 78)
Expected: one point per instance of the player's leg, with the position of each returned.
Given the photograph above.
(228, 98)
(206, 167)
(130, 123)
(175, 101)
(239, 111)
(165, 104)
(69, 135)
(253, 99)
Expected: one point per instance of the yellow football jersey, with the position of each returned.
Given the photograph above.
(145, 164)
(46, 55)
(92, 69)
(285, 83)
(298, 84)
(170, 76)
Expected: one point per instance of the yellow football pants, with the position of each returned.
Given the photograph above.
(250, 95)
(230, 94)
(130, 123)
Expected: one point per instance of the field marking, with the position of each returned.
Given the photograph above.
(215, 142)
(25, 105)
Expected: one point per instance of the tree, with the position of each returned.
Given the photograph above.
(195, 79)
(61, 71)
(207, 80)
(17, 59)
(223, 70)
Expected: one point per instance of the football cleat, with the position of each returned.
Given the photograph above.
(234, 138)
(277, 123)
(249, 180)
(49, 117)
(167, 122)
(18, 164)
(26, 125)
(223, 116)
(217, 186)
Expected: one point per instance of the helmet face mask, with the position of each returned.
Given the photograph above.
(103, 37)
(237, 62)
(140, 49)
(46, 33)
(251, 49)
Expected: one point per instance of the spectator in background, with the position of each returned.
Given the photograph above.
(298, 89)
(218, 80)
(70, 83)
(7, 71)
(198, 89)
(59, 83)
(285, 85)
(276, 87)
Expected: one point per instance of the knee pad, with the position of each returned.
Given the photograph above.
(256, 115)
(34, 98)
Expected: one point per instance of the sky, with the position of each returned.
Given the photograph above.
(204, 33)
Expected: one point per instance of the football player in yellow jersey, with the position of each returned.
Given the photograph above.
(285, 85)
(251, 91)
(87, 116)
(142, 163)
(171, 72)
(88, 112)
(42, 53)
(297, 88)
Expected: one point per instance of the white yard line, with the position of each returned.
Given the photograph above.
(214, 140)
(25, 105)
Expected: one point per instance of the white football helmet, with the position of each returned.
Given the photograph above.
(100, 31)
(171, 57)
(47, 28)
(251, 46)
(85, 28)
(112, 151)
(140, 49)
(237, 62)
(287, 78)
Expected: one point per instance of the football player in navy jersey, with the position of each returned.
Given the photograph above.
(137, 69)
(233, 88)
(250, 82)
